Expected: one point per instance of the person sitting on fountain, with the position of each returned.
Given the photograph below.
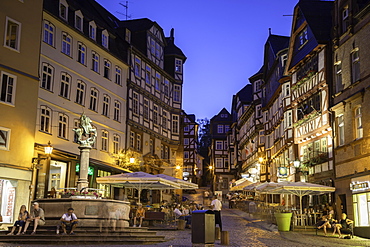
(140, 213)
(69, 220)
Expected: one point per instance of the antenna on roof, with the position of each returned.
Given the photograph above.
(126, 7)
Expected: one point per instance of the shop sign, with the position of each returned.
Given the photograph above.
(282, 172)
(359, 186)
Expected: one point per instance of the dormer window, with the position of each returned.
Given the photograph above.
(92, 30)
(128, 36)
(78, 20)
(178, 65)
(303, 37)
(104, 39)
(63, 9)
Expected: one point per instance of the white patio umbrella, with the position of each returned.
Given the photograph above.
(299, 189)
(241, 185)
(139, 181)
(181, 183)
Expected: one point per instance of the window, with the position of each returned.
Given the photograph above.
(340, 121)
(132, 139)
(345, 19)
(257, 86)
(63, 10)
(104, 140)
(47, 76)
(92, 30)
(106, 101)
(138, 142)
(219, 145)
(128, 36)
(148, 75)
(151, 146)
(324, 147)
(186, 128)
(220, 129)
(162, 151)
(164, 120)
(177, 93)
(64, 85)
(284, 59)
(287, 90)
(157, 50)
(4, 138)
(76, 124)
(66, 44)
(303, 37)
(104, 39)
(135, 103)
(155, 114)
(186, 154)
(80, 95)
(157, 81)
(227, 128)
(93, 99)
(63, 126)
(45, 121)
(107, 69)
(178, 65)
(137, 67)
(175, 124)
(186, 141)
(358, 122)
(166, 87)
(116, 140)
(49, 33)
(355, 66)
(219, 163)
(78, 20)
(259, 111)
(338, 77)
(12, 34)
(95, 62)
(117, 111)
(81, 53)
(146, 109)
(118, 75)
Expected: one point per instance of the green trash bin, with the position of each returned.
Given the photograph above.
(283, 221)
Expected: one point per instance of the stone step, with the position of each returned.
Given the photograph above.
(72, 240)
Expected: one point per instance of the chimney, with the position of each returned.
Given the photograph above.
(172, 35)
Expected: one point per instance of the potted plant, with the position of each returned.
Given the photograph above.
(283, 219)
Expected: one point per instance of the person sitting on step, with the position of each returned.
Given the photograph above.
(327, 222)
(69, 220)
(37, 217)
(22, 217)
(140, 213)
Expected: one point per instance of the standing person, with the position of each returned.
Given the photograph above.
(69, 219)
(140, 213)
(216, 205)
(22, 217)
(37, 217)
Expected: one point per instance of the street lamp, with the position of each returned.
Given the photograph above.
(48, 149)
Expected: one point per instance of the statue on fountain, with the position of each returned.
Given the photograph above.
(86, 134)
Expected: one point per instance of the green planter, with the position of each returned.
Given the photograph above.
(283, 221)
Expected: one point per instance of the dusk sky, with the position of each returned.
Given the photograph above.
(223, 42)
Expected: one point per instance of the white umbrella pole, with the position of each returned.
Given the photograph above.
(138, 193)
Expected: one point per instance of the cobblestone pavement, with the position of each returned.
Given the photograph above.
(246, 231)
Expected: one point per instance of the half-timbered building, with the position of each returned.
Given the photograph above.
(154, 97)
(351, 80)
(277, 131)
(218, 151)
(309, 66)
(191, 168)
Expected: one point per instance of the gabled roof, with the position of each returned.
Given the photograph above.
(218, 116)
(245, 95)
(138, 25)
(277, 43)
(318, 16)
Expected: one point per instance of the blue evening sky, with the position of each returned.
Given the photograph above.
(223, 42)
